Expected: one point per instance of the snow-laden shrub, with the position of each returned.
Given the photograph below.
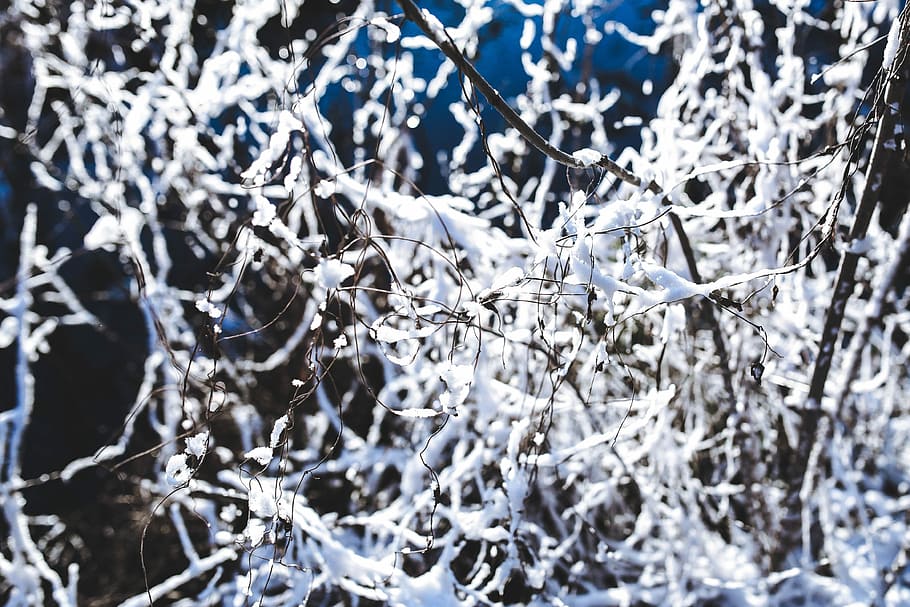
(516, 383)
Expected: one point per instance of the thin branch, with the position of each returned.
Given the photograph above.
(25, 381)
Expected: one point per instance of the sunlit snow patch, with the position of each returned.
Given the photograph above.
(260, 170)
(277, 431)
(261, 503)
(262, 455)
(177, 470)
(392, 32)
(587, 156)
(265, 211)
(457, 379)
(110, 230)
(198, 444)
(330, 273)
(207, 307)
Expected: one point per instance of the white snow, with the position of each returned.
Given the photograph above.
(255, 531)
(262, 501)
(325, 188)
(277, 431)
(265, 211)
(207, 307)
(9, 328)
(392, 31)
(436, 27)
(436, 587)
(587, 156)
(528, 33)
(110, 230)
(385, 333)
(259, 171)
(892, 45)
(860, 246)
(177, 469)
(457, 379)
(330, 273)
(197, 444)
(261, 455)
(511, 276)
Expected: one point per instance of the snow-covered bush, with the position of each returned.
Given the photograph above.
(531, 367)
